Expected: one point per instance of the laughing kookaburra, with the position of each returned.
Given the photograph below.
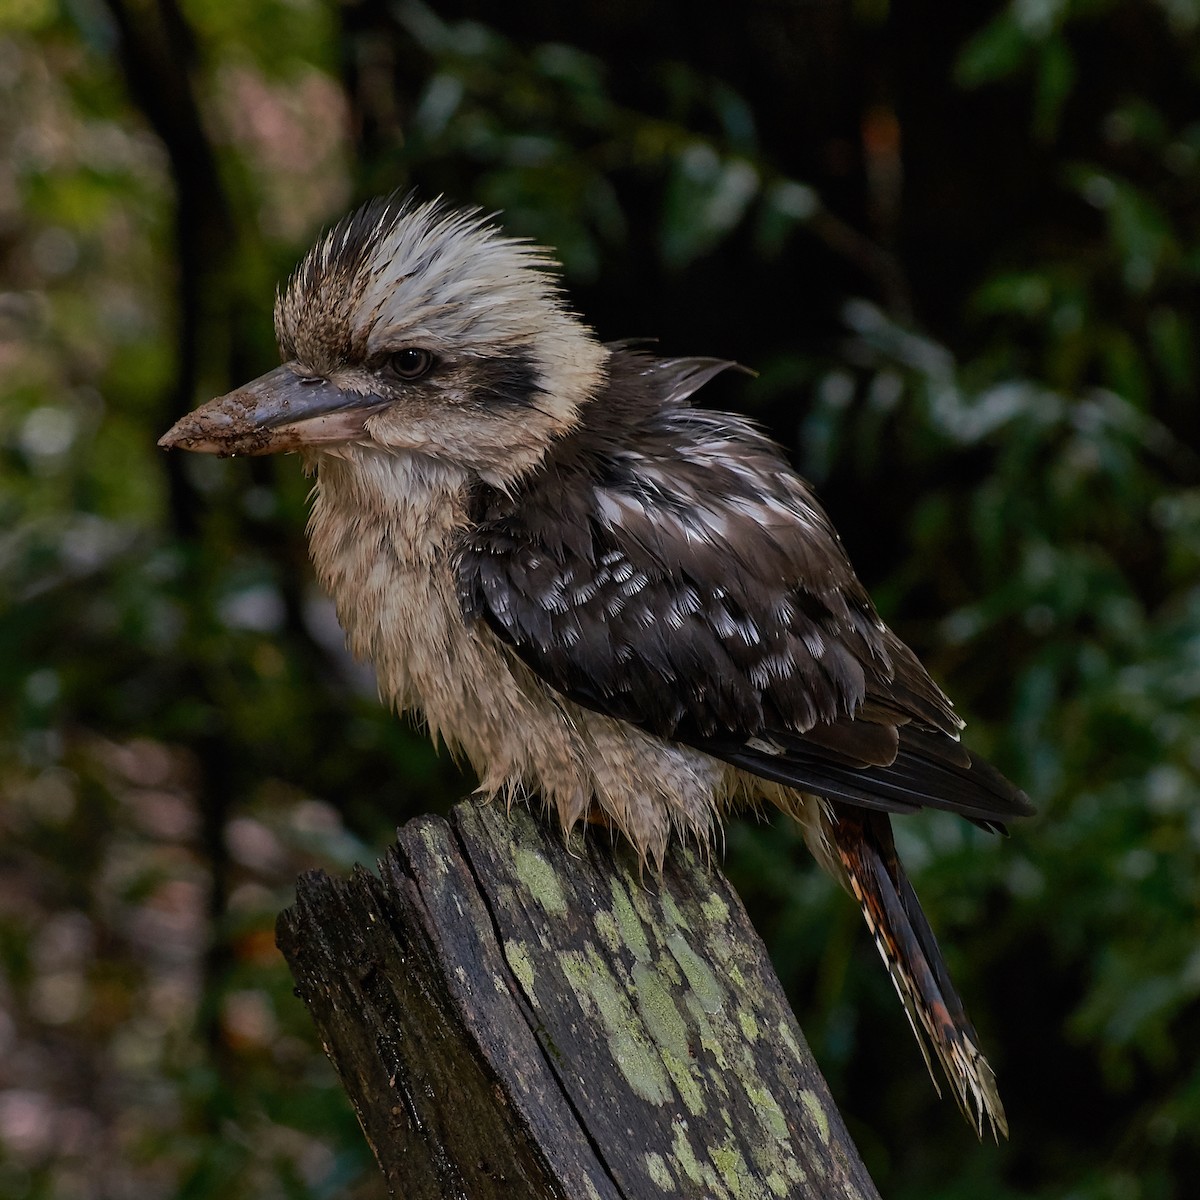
(596, 592)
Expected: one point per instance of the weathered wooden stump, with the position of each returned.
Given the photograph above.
(514, 1017)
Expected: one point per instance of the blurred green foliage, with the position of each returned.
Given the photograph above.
(962, 251)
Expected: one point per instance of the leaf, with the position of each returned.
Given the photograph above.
(1055, 78)
(706, 198)
(998, 50)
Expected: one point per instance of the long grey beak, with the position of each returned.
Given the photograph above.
(279, 411)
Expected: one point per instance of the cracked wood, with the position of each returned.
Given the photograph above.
(516, 1016)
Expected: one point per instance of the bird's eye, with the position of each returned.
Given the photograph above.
(411, 363)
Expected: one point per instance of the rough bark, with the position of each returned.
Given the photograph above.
(513, 1016)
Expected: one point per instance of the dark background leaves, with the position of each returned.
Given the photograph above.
(960, 244)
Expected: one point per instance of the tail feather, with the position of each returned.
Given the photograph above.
(864, 845)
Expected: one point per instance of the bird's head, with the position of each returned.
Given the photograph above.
(413, 329)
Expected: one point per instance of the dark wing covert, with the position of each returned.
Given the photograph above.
(668, 568)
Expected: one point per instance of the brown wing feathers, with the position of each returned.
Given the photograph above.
(668, 569)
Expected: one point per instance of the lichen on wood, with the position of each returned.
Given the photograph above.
(513, 1014)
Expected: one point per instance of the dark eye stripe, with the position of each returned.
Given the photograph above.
(509, 380)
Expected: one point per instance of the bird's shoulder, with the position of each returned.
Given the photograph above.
(669, 566)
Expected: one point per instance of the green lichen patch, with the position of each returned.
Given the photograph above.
(659, 1172)
(522, 968)
(789, 1039)
(662, 1018)
(715, 909)
(748, 1024)
(639, 897)
(735, 1172)
(540, 880)
(769, 1113)
(816, 1110)
(633, 935)
(711, 1039)
(698, 973)
(673, 912)
(609, 931)
(777, 1184)
(666, 1026)
(797, 1174)
(688, 1163)
(634, 1055)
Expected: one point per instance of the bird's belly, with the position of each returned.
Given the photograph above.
(388, 569)
(518, 734)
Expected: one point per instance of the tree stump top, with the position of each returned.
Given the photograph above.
(518, 1016)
